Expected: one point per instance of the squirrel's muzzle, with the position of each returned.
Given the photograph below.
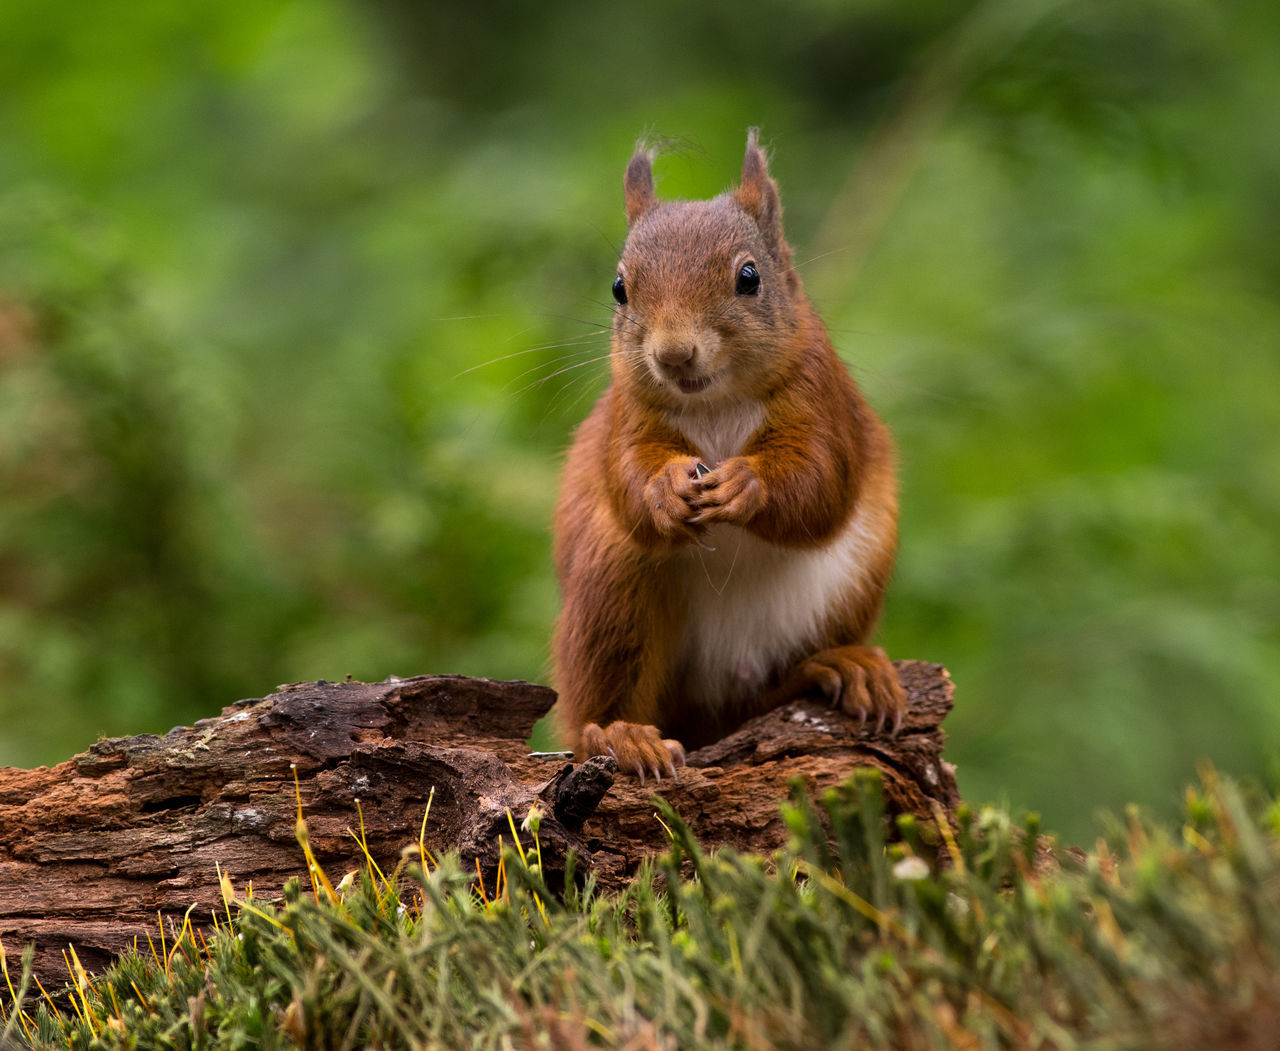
(677, 354)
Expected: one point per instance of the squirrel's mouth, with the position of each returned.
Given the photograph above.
(694, 385)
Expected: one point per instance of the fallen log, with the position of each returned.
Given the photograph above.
(95, 849)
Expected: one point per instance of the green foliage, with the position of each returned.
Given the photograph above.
(299, 302)
(1165, 936)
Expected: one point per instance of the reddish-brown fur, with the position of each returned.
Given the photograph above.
(693, 358)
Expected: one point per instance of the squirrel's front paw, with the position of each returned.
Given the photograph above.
(732, 492)
(671, 498)
(639, 749)
(862, 681)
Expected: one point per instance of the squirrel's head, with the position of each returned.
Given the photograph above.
(707, 298)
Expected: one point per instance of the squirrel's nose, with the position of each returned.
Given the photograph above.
(675, 354)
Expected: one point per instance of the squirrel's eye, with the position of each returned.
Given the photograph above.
(620, 290)
(748, 283)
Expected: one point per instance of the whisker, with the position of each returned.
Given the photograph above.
(561, 372)
(547, 364)
(821, 255)
(610, 307)
(585, 384)
(631, 318)
(728, 575)
(585, 340)
(468, 317)
(615, 248)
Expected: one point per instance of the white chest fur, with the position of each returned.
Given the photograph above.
(752, 607)
(719, 434)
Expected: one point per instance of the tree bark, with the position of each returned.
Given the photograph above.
(94, 849)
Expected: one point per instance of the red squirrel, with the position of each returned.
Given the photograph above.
(727, 519)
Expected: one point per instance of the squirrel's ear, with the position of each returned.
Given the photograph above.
(758, 196)
(638, 184)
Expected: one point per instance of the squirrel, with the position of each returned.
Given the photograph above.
(727, 519)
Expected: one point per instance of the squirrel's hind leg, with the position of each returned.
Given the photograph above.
(611, 670)
(860, 679)
(639, 749)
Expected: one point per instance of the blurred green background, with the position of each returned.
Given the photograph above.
(301, 299)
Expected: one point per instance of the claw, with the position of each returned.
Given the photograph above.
(647, 755)
(880, 722)
(897, 722)
(862, 718)
(832, 693)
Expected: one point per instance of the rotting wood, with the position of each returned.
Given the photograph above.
(94, 849)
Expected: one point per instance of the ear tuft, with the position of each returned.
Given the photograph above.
(638, 183)
(755, 166)
(758, 196)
